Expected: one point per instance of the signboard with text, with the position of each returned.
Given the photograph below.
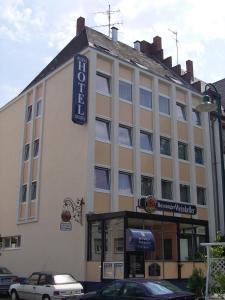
(80, 89)
(150, 204)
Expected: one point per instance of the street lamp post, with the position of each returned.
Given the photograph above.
(212, 103)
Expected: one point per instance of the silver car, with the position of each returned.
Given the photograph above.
(6, 279)
(47, 286)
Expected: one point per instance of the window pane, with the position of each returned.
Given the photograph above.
(182, 151)
(24, 193)
(102, 83)
(125, 136)
(145, 141)
(145, 98)
(196, 117)
(201, 198)
(95, 241)
(33, 190)
(146, 186)
(198, 155)
(125, 90)
(38, 108)
(164, 105)
(102, 129)
(125, 183)
(166, 189)
(102, 178)
(184, 193)
(29, 113)
(181, 114)
(26, 152)
(165, 146)
(36, 148)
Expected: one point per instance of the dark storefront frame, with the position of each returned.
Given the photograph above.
(126, 215)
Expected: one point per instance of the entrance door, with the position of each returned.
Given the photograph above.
(136, 264)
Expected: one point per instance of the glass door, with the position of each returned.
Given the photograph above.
(136, 264)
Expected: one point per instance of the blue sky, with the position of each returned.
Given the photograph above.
(32, 32)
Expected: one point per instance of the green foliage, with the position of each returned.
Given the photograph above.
(218, 286)
(196, 283)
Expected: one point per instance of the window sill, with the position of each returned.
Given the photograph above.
(146, 151)
(102, 141)
(10, 249)
(200, 165)
(126, 146)
(104, 94)
(184, 161)
(126, 101)
(102, 191)
(146, 108)
(165, 115)
(126, 195)
(166, 156)
(182, 121)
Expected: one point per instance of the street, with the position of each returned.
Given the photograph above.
(4, 297)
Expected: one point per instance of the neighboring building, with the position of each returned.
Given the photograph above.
(138, 135)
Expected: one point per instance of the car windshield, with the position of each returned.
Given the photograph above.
(4, 271)
(64, 279)
(160, 288)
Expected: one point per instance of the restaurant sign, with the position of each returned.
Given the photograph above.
(150, 204)
(80, 89)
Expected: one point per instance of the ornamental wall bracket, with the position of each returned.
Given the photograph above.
(72, 210)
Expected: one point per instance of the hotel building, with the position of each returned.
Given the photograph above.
(106, 165)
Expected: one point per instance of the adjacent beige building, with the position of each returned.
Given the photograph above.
(142, 137)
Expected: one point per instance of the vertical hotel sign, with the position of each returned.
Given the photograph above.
(80, 89)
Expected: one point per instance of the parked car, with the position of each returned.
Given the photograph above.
(142, 289)
(47, 286)
(6, 279)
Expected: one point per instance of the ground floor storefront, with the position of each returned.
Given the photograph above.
(140, 245)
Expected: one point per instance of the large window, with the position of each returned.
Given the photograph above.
(146, 186)
(125, 183)
(125, 136)
(201, 196)
(102, 178)
(182, 151)
(196, 119)
(36, 148)
(103, 83)
(102, 129)
(125, 90)
(29, 113)
(167, 189)
(26, 152)
(145, 98)
(38, 109)
(164, 105)
(10, 242)
(145, 141)
(199, 155)
(185, 193)
(181, 112)
(24, 193)
(165, 147)
(33, 190)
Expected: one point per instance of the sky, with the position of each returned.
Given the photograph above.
(33, 32)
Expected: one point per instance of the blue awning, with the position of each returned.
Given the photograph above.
(139, 240)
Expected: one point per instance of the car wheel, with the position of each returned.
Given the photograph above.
(14, 295)
(46, 297)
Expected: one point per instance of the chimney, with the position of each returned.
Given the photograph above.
(157, 43)
(189, 68)
(80, 25)
(114, 34)
(137, 45)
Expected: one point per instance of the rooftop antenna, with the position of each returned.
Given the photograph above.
(175, 33)
(109, 12)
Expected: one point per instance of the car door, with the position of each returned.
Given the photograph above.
(133, 291)
(110, 292)
(28, 290)
(44, 286)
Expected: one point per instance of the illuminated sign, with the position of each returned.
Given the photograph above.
(150, 204)
(80, 89)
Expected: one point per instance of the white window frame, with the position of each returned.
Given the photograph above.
(130, 180)
(182, 108)
(150, 138)
(33, 184)
(129, 129)
(186, 150)
(126, 83)
(108, 129)
(152, 184)
(142, 105)
(17, 245)
(108, 179)
(36, 152)
(169, 141)
(164, 98)
(108, 83)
